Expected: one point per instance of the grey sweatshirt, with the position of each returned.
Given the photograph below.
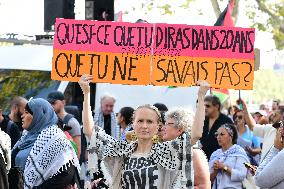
(270, 173)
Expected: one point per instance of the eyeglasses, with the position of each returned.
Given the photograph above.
(169, 124)
(218, 134)
(239, 117)
(207, 105)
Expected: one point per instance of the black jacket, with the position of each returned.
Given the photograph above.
(208, 140)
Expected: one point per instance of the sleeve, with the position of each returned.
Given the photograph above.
(270, 168)
(104, 146)
(5, 147)
(261, 130)
(76, 128)
(239, 171)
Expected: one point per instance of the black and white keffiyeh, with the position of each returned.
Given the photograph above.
(51, 153)
(5, 148)
(172, 155)
(99, 121)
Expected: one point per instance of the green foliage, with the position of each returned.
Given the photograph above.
(20, 83)
(186, 4)
(167, 9)
(274, 23)
(267, 86)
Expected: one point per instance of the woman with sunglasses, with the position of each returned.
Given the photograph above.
(270, 172)
(246, 138)
(144, 163)
(226, 165)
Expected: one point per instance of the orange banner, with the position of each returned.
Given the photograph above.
(116, 68)
(135, 69)
(186, 71)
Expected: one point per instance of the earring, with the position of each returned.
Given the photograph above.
(156, 139)
(133, 136)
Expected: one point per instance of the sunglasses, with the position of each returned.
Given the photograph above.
(207, 105)
(218, 134)
(239, 117)
(278, 125)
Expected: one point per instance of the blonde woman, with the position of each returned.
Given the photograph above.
(142, 162)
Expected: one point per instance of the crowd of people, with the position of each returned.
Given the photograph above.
(43, 144)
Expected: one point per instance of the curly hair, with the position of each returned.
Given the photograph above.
(183, 118)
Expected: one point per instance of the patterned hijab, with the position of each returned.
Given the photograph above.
(43, 117)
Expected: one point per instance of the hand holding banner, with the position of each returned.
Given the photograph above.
(159, 54)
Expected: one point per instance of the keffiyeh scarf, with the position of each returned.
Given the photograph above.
(172, 155)
(99, 121)
(233, 151)
(50, 154)
(5, 148)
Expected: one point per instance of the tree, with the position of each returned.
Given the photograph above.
(274, 22)
(267, 86)
(265, 15)
(21, 83)
(271, 19)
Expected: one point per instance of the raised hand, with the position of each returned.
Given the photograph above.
(203, 87)
(278, 141)
(84, 83)
(241, 101)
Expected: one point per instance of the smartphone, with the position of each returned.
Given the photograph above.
(249, 166)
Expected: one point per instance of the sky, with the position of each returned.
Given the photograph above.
(26, 17)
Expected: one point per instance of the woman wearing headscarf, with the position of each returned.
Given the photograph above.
(226, 164)
(5, 158)
(43, 154)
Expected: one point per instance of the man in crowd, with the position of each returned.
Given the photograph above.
(124, 120)
(275, 105)
(105, 118)
(57, 100)
(213, 120)
(267, 132)
(10, 128)
(260, 117)
(18, 105)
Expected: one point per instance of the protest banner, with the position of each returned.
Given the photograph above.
(158, 54)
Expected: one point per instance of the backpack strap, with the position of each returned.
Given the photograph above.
(67, 118)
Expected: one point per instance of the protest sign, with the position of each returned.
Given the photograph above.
(158, 54)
